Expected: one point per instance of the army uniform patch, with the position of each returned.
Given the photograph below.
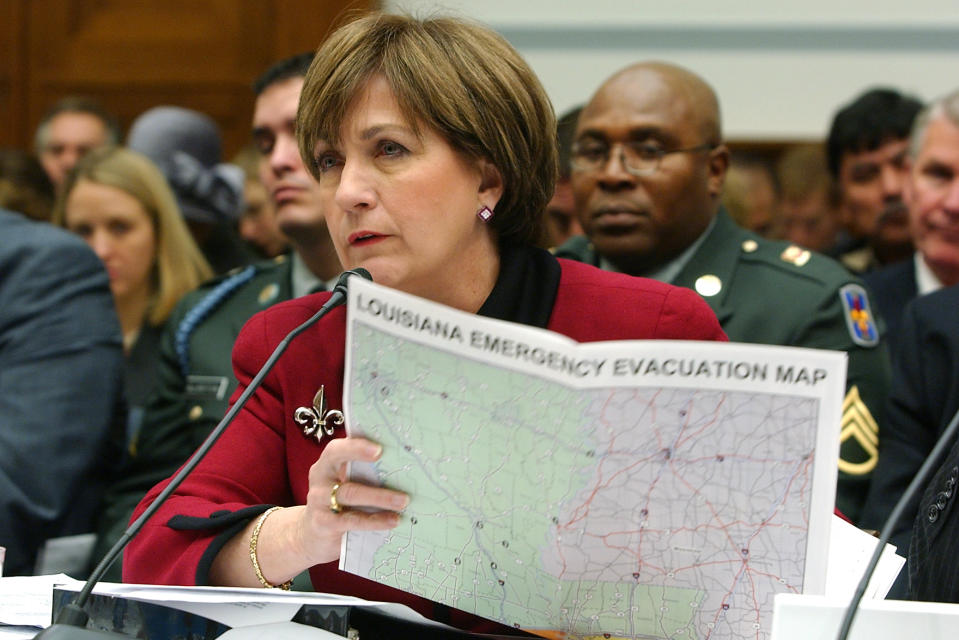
(859, 318)
(858, 436)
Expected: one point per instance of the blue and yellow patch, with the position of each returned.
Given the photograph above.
(859, 319)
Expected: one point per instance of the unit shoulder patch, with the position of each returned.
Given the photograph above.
(859, 318)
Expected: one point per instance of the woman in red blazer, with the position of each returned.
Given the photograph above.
(434, 147)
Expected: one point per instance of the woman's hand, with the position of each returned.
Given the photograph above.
(363, 508)
(296, 538)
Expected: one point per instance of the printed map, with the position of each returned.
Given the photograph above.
(617, 512)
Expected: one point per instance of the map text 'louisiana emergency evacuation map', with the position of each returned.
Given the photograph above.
(606, 512)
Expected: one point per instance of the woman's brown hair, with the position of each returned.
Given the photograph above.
(459, 78)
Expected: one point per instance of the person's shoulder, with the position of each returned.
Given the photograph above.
(256, 286)
(941, 303)
(890, 275)
(595, 287)
(577, 248)
(266, 328)
(25, 237)
(580, 274)
(36, 255)
(859, 260)
(782, 263)
(812, 281)
(633, 307)
(240, 278)
(229, 300)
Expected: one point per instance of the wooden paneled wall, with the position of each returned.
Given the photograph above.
(136, 54)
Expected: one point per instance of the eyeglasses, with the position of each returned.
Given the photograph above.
(639, 159)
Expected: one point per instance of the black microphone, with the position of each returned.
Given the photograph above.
(944, 441)
(72, 620)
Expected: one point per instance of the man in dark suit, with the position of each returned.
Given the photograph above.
(924, 391)
(648, 170)
(933, 210)
(924, 398)
(892, 288)
(60, 381)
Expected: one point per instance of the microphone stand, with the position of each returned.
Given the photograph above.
(72, 619)
(918, 481)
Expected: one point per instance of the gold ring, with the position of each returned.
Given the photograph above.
(334, 505)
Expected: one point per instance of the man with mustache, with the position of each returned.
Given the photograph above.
(648, 167)
(196, 374)
(866, 152)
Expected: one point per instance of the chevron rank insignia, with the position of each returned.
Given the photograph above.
(859, 319)
(858, 436)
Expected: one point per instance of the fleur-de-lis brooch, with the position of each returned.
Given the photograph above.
(315, 417)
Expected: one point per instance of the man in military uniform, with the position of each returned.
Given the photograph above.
(648, 171)
(196, 373)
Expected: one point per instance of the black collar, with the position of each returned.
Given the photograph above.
(526, 287)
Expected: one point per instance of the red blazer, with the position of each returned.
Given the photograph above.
(264, 458)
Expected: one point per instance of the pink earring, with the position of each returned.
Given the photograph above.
(485, 214)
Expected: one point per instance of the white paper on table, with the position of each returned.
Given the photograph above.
(850, 550)
(17, 633)
(237, 607)
(285, 630)
(27, 601)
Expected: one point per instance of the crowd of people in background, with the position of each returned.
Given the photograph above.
(842, 244)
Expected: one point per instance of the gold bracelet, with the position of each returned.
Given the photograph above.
(256, 564)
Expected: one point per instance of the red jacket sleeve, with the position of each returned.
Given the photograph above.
(243, 471)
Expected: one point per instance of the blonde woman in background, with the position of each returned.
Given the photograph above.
(118, 201)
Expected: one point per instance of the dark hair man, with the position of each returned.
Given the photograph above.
(196, 374)
(648, 170)
(866, 151)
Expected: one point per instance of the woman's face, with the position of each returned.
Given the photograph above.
(404, 206)
(119, 230)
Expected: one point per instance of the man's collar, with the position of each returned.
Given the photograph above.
(669, 271)
(926, 280)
